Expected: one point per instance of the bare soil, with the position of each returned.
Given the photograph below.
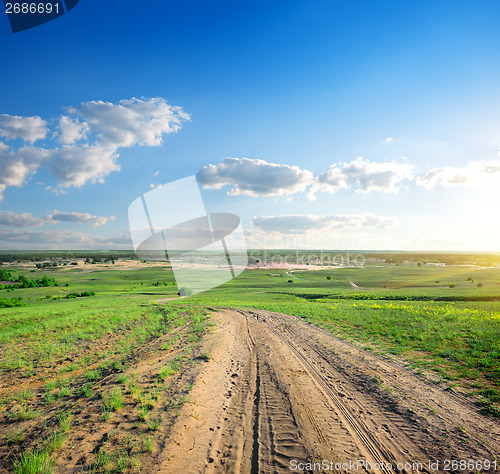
(279, 392)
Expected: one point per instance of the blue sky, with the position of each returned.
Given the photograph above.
(364, 124)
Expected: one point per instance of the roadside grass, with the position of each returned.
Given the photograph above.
(168, 370)
(14, 436)
(22, 413)
(97, 374)
(460, 343)
(113, 400)
(33, 462)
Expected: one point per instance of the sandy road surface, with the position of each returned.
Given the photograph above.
(280, 391)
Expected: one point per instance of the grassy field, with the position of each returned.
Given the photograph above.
(58, 352)
(60, 356)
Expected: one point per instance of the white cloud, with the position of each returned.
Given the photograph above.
(89, 135)
(474, 173)
(255, 177)
(76, 165)
(79, 218)
(17, 165)
(132, 121)
(70, 131)
(29, 129)
(365, 175)
(20, 220)
(56, 191)
(389, 140)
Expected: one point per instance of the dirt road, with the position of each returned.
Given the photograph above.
(280, 393)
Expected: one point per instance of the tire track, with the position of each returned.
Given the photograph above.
(370, 447)
(288, 397)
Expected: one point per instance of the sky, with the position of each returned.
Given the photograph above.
(370, 125)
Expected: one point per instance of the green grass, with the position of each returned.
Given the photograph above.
(64, 420)
(147, 442)
(144, 412)
(168, 370)
(92, 375)
(122, 378)
(24, 395)
(103, 459)
(23, 414)
(154, 423)
(14, 436)
(114, 399)
(464, 337)
(33, 462)
(54, 441)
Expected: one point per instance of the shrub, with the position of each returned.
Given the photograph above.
(75, 294)
(10, 303)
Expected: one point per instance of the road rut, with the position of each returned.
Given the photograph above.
(281, 394)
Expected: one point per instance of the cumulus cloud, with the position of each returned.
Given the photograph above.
(389, 140)
(20, 220)
(29, 129)
(88, 138)
(475, 172)
(364, 175)
(255, 177)
(69, 130)
(76, 165)
(132, 121)
(79, 218)
(17, 165)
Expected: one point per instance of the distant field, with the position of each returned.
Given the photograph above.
(56, 351)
